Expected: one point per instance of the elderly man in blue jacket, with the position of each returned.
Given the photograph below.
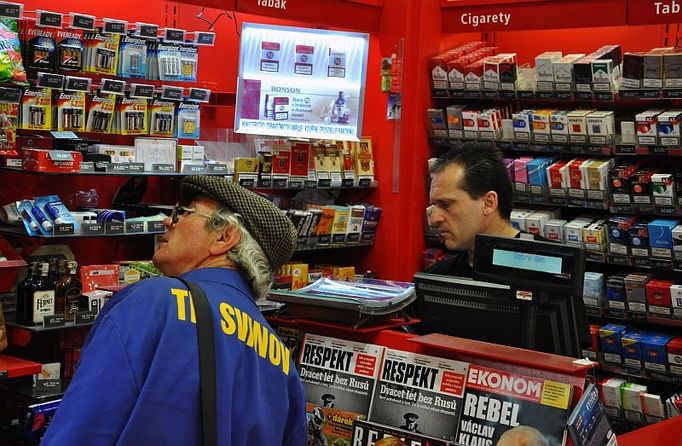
(138, 381)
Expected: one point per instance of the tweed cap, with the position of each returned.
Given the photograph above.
(268, 225)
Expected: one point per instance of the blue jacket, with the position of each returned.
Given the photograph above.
(138, 380)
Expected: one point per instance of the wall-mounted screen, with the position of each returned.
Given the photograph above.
(299, 82)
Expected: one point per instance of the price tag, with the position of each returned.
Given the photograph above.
(295, 184)
(163, 168)
(171, 93)
(248, 183)
(10, 95)
(78, 84)
(112, 86)
(505, 94)
(11, 10)
(50, 80)
(113, 26)
(87, 167)
(472, 94)
(174, 35)
(583, 95)
(279, 183)
(525, 94)
(217, 168)
(310, 184)
(114, 227)
(364, 182)
(603, 96)
(133, 227)
(265, 183)
(324, 183)
(199, 94)
(85, 317)
(117, 168)
(53, 320)
(63, 229)
(489, 94)
(563, 95)
(141, 91)
(194, 168)
(338, 239)
(48, 19)
(146, 30)
(155, 226)
(347, 183)
(324, 239)
(658, 150)
(48, 385)
(82, 21)
(368, 237)
(458, 94)
(672, 94)
(136, 167)
(545, 94)
(204, 38)
(92, 228)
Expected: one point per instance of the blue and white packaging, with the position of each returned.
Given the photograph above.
(654, 353)
(188, 121)
(661, 237)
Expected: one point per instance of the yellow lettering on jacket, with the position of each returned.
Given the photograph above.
(250, 332)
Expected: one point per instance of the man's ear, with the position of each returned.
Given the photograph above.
(490, 202)
(226, 239)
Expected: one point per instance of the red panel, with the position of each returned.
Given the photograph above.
(668, 432)
(226, 5)
(327, 12)
(505, 354)
(548, 14)
(645, 12)
(15, 367)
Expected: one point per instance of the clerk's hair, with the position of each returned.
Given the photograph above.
(483, 171)
(247, 254)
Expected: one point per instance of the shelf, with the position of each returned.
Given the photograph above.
(41, 329)
(20, 231)
(564, 97)
(126, 173)
(607, 313)
(11, 367)
(642, 374)
(634, 262)
(304, 248)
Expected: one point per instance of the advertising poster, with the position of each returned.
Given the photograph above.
(298, 82)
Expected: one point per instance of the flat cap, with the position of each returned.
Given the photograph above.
(268, 225)
(328, 397)
(411, 416)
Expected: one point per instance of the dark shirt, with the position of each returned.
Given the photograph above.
(459, 264)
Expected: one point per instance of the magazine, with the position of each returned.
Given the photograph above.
(419, 393)
(366, 433)
(588, 424)
(339, 377)
(504, 408)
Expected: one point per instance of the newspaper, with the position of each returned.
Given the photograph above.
(588, 424)
(339, 377)
(419, 393)
(498, 403)
(366, 433)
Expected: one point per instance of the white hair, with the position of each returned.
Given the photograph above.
(247, 254)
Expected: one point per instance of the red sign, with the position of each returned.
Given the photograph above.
(651, 12)
(363, 15)
(507, 15)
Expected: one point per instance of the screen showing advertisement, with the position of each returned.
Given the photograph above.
(300, 82)
(527, 261)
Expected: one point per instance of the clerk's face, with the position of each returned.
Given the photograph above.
(185, 245)
(458, 217)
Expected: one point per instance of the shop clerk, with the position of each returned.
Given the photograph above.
(471, 193)
(138, 380)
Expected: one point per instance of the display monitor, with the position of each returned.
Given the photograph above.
(532, 299)
(300, 82)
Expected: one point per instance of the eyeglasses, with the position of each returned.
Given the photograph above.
(179, 211)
